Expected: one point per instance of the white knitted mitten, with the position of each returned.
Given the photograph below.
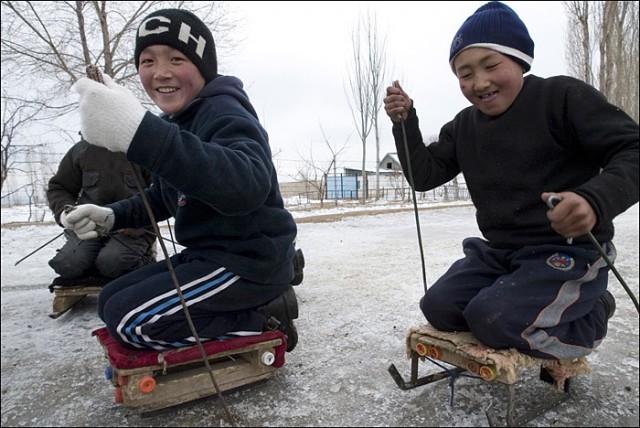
(88, 221)
(109, 113)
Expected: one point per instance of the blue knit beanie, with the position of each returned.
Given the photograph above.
(495, 26)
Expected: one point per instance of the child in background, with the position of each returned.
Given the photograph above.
(93, 175)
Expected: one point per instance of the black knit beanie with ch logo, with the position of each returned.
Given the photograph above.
(184, 31)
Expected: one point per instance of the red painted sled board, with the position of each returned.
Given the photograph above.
(148, 380)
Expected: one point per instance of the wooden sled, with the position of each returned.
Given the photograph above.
(148, 380)
(467, 354)
(68, 292)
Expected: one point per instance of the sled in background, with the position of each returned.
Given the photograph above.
(69, 292)
(467, 354)
(149, 380)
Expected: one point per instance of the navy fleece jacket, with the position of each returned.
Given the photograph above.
(559, 135)
(212, 171)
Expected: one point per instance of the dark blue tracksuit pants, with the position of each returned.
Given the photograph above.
(142, 309)
(542, 300)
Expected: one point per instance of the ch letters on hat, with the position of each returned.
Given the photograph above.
(183, 35)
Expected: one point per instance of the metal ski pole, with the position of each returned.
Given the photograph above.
(413, 193)
(39, 248)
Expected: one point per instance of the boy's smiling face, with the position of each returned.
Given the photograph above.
(170, 79)
(488, 79)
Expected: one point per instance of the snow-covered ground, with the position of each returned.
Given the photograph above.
(360, 295)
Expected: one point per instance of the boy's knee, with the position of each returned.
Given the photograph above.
(493, 324)
(441, 313)
(67, 268)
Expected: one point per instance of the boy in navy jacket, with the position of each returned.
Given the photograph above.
(213, 173)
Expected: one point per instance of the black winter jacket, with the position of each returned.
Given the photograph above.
(559, 135)
(214, 174)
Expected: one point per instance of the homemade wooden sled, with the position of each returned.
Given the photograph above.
(69, 292)
(148, 380)
(467, 354)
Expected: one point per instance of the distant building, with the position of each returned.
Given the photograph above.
(392, 183)
(391, 162)
(348, 185)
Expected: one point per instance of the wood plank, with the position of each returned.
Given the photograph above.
(76, 291)
(61, 304)
(186, 385)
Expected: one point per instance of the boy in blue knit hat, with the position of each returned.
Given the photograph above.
(535, 282)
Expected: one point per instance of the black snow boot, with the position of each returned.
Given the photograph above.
(280, 313)
(298, 268)
(609, 303)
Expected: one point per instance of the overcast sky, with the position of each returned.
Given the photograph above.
(294, 60)
(294, 63)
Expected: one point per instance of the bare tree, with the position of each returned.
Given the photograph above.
(315, 173)
(609, 28)
(361, 100)
(397, 183)
(46, 47)
(376, 48)
(578, 52)
(335, 151)
(15, 117)
(54, 41)
(35, 190)
(367, 87)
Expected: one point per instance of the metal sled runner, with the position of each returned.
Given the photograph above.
(148, 380)
(466, 354)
